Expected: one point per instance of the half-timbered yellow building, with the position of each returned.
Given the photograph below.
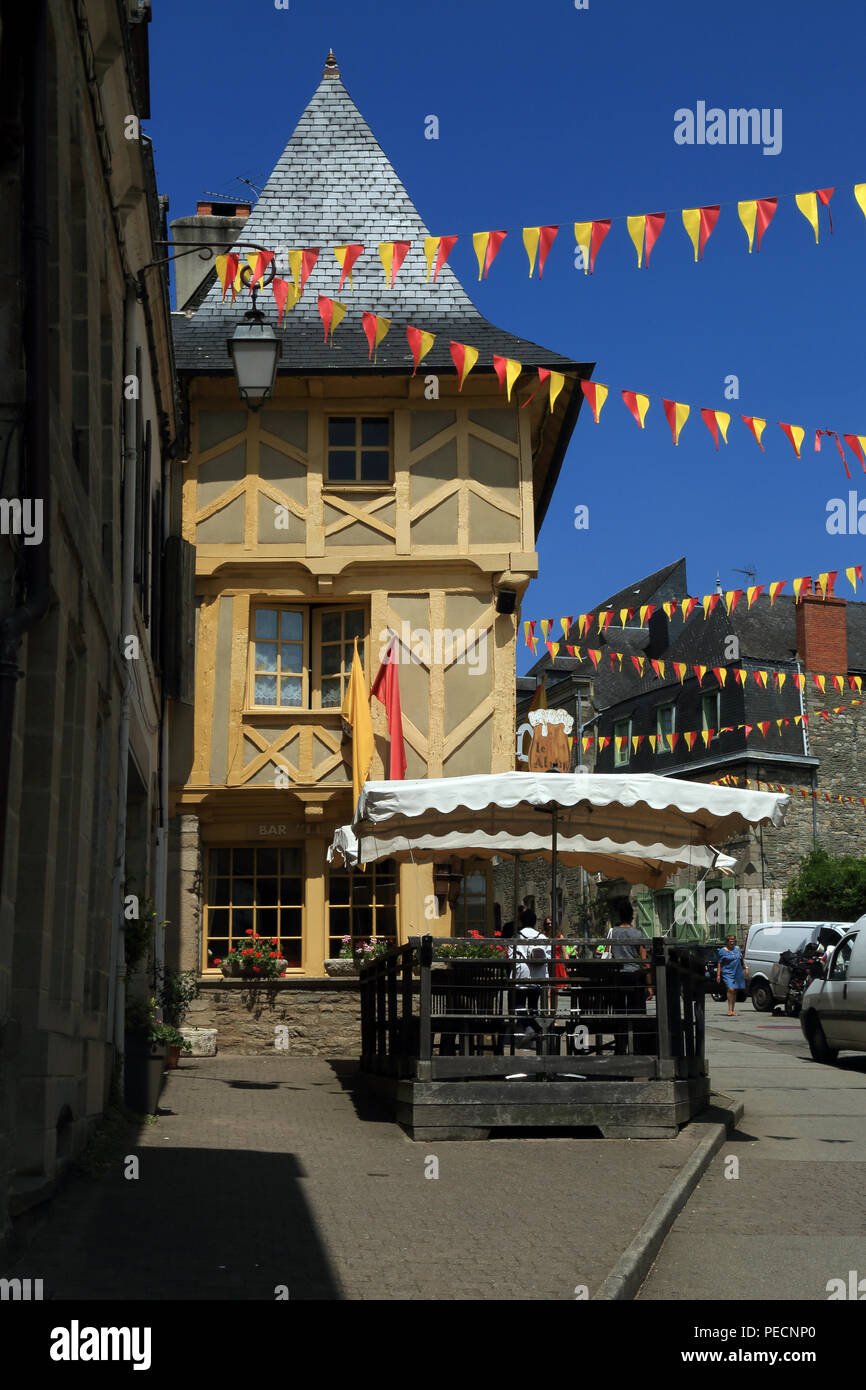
(360, 502)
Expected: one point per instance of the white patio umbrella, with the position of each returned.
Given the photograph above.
(631, 809)
(652, 865)
(640, 807)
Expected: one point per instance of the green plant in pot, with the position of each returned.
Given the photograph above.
(145, 1051)
(176, 990)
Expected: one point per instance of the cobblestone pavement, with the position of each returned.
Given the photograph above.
(262, 1172)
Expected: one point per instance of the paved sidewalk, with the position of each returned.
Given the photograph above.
(281, 1171)
(796, 1215)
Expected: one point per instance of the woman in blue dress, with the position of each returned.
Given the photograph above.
(731, 968)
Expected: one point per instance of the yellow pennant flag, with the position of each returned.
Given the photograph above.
(512, 372)
(851, 576)
(530, 241)
(356, 713)
(748, 211)
(337, 317)
(822, 682)
(808, 205)
(723, 419)
(583, 236)
(431, 246)
(860, 195)
(782, 679)
(798, 585)
(386, 256)
(295, 259)
(623, 616)
(653, 738)
(557, 381)
(692, 224)
(635, 739)
(822, 583)
(220, 263)
(636, 228)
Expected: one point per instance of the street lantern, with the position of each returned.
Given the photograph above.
(254, 349)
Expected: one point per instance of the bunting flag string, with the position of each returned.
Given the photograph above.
(508, 370)
(717, 422)
(707, 735)
(643, 229)
(805, 793)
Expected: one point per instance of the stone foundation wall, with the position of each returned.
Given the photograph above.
(321, 1018)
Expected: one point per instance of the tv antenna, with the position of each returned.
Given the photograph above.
(751, 573)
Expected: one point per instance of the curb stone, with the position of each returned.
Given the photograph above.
(631, 1269)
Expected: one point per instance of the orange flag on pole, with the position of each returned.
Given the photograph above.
(637, 404)
(699, 223)
(386, 689)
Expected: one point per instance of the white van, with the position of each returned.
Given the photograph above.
(833, 1017)
(766, 941)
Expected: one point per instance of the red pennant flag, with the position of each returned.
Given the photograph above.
(464, 359)
(699, 223)
(765, 208)
(546, 238)
(654, 223)
(420, 343)
(446, 246)
(375, 329)
(233, 261)
(308, 260)
(825, 194)
(676, 414)
(386, 689)
(638, 405)
(596, 394)
(594, 656)
(348, 258)
(795, 433)
(855, 443)
(281, 294)
(487, 246)
(756, 426)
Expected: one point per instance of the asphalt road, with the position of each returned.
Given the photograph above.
(790, 1214)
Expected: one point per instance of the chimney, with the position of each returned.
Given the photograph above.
(216, 224)
(822, 631)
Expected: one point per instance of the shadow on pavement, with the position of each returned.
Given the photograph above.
(196, 1224)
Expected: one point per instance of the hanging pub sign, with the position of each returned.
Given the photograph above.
(549, 750)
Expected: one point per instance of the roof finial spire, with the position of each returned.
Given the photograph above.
(331, 69)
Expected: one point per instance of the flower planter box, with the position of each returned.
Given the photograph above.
(234, 970)
(342, 969)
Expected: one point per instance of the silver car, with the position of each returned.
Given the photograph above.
(833, 1017)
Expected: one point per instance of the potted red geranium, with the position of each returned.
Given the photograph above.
(254, 957)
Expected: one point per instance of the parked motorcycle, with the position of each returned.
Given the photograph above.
(803, 967)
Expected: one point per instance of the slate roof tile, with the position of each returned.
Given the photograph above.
(332, 184)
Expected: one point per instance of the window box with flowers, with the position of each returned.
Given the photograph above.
(254, 957)
(349, 961)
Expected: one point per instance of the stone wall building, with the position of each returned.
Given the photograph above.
(764, 726)
(86, 433)
(361, 501)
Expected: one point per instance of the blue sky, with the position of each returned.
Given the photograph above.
(552, 114)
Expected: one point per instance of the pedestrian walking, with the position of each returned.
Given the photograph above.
(628, 945)
(732, 969)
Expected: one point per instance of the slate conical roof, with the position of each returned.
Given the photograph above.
(334, 185)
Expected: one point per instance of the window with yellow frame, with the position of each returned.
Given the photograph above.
(301, 657)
